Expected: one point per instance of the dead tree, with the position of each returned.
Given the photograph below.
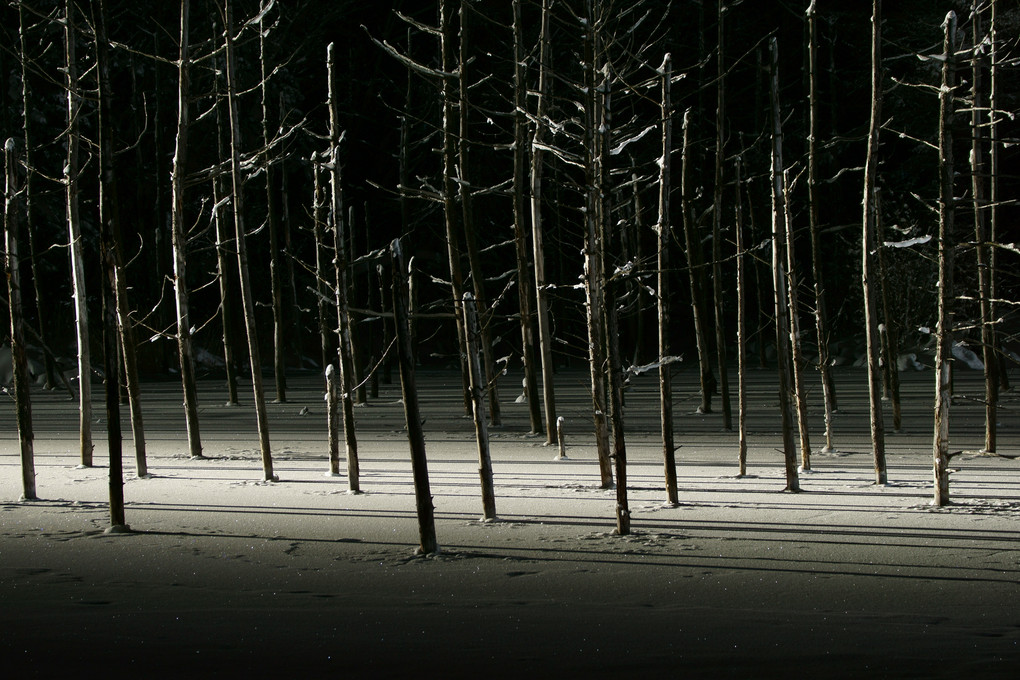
(947, 209)
(478, 408)
(869, 282)
(345, 349)
(180, 242)
(75, 241)
(412, 416)
(796, 360)
(738, 226)
(717, 197)
(524, 281)
(19, 359)
(537, 239)
(779, 280)
(247, 300)
(664, 231)
(994, 147)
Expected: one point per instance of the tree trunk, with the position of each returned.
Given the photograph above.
(741, 321)
(247, 301)
(664, 231)
(537, 243)
(333, 419)
(993, 189)
(890, 332)
(412, 416)
(280, 328)
(322, 257)
(717, 277)
(74, 235)
(796, 358)
(19, 360)
(978, 186)
(692, 245)
(524, 282)
(180, 243)
(108, 249)
(478, 409)
(868, 245)
(947, 208)
(345, 350)
(779, 281)
(821, 313)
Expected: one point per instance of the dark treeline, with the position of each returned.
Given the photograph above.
(438, 114)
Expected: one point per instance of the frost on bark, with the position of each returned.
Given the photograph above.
(947, 208)
(869, 272)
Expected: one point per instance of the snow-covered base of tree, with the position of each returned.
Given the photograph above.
(224, 574)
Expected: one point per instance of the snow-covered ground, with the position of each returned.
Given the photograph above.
(226, 575)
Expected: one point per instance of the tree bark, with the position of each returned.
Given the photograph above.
(868, 245)
(247, 301)
(180, 243)
(537, 241)
(478, 409)
(428, 544)
(717, 276)
(664, 232)
(796, 358)
(74, 235)
(947, 208)
(779, 281)
(741, 320)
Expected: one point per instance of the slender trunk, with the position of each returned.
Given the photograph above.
(779, 281)
(110, 218)
(74, 235)
(821, 314)
(333, 391)
(796, 358)
(478, 409)
(947, 207)
(412, 416)
(993, 189)
(717, 277)
(524, 281)
(889, 331)
(180, 243)
(978, 186)
(664, 231)
(322, 257)
(868, 282)
(538, 248)
(467, 212)
(692, 245)
(345, 351)
(108, 250)
(741, 321)
(280, 327)
(19, 360)
(247, 301)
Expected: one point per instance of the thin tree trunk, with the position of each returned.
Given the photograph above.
(664, 231)
(692, 245)
(978, 170)
(947, 207)
(717, 277)
(524, 281)
(280, 328)
(111, 266)
(779, 281)
(345, 350)
(478, 409)
(19, 360)
(333, 419)
(321, 259)
(868, 273)
(890, 336)
(537, 243)
(741, 321)
(821, 313)
(77, 255)
(180, 243)
(248, 303)
(993, 188)
(796, 358)
(110, 216)
(412, 416)
(467, 211)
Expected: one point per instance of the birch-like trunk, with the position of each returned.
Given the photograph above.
(180, 243)
(247, 300)
(947, 208)
(664, 232)
(738, 226)
(796, 358)
(868, 246)
(717, 196)
(537, 242)
(74, 236)
(779, 280)
(322, 258)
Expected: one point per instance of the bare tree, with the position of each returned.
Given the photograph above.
(478, 409)
(664, 231)
(717, 197)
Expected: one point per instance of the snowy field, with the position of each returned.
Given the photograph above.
(225, 575)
